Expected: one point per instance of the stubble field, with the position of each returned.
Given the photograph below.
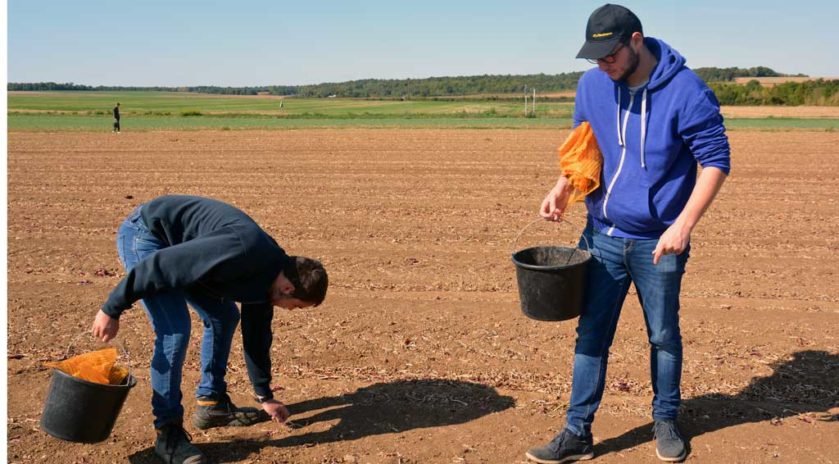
(420, 353)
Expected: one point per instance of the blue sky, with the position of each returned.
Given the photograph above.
(254, 42)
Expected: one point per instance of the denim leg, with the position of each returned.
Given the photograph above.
(606, 288)
(169, 317)
(658, 291)
(221, 317)
(170, 320)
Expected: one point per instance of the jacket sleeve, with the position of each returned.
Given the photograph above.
(218, 255)
(256, 340)
(579, 117)
(701, 127)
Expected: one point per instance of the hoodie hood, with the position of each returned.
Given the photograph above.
(670, 62)
(651, 137)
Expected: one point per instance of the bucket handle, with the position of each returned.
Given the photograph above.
(116, 343)
(588, 245)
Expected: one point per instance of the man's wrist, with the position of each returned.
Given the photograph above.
(563, 187)
(683, 226)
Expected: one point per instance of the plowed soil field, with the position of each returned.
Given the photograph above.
(421, 353)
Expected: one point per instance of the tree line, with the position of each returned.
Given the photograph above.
(365, 88)
(817, 92)
(729, 74)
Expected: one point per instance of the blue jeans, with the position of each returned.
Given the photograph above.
(616, 263)
(170, 320)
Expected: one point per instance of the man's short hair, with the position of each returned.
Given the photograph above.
(309, 279)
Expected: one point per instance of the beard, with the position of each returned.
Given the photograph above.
(634, 59)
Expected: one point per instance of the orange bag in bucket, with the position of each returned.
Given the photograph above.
(85, 396)
(97, 366)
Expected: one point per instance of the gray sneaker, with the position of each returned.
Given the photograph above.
(173, 446)
(565, 447)
(669, 444)
(221, 412)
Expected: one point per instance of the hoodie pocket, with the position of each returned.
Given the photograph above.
(629, 207)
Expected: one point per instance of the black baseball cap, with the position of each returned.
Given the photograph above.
(607, 26)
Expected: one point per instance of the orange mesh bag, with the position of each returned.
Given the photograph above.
(97, 366)
(580, 161)
(117, 375)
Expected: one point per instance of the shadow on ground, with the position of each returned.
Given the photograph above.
(377, 409)
(804, 384)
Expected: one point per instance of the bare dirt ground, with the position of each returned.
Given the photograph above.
(421, 353)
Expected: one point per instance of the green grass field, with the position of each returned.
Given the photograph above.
(30, 122)
(174, 104)
(90, 111)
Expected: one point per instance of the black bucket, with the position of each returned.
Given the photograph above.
(552, 281)
(81, 411)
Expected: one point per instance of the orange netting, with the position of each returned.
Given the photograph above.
(580, 161)
(97, 366)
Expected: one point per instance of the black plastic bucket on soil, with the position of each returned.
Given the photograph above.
(552, 281)
(81, 411)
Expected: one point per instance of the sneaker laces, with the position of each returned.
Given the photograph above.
(558, 441)
(225, 398)
(666, 430)
(174, 435)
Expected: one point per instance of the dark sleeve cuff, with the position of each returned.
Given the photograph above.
(263, 391)
(110, 311)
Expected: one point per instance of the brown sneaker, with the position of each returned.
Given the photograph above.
(174, 447)
(221, 412)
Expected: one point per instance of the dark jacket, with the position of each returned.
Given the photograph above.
(116, 113)
(214, 250)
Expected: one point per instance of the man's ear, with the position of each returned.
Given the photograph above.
(286, 287)
(637, 38)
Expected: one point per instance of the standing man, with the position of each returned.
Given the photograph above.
(116, 118)
(654, 121)
(183, 249)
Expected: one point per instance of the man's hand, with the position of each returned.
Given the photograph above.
(105, 327)
(673, 241)
(676, 238)
(556, 200)
(276, 410)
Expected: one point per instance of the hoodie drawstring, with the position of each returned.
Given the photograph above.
(643, 127)
(618, 119)
(622, 127)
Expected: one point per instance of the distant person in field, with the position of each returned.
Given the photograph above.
(654, 121)
(180, 250)
(116, 118)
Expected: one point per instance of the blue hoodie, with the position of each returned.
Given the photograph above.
(651, 141)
